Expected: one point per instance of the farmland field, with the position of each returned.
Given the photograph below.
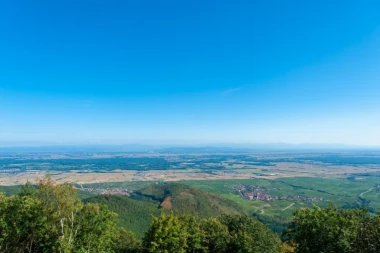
(268, 185)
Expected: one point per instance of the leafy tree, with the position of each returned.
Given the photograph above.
(287, 248)
(321, 230)
(216, 237)
(248, 235)
(368, 234)
(23, 227)
(27, 190)
(62, 208)
(166, 234)
(126, 242)
(332, 230)
(193, 233)
(97, 228)
(228, 233)
(51, 218)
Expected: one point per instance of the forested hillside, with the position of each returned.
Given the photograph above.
(183, 199)
(51, 218)
(134, 212)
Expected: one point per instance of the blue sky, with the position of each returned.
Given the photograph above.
(189, 72)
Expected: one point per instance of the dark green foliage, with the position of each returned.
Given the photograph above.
(23, 228)
(97, 229)
(249, 235)
(85, 195)
(188, 200)
(133, 215)
(276, 224)
(166, 234)
(368, 234)
(51, 218)
(228, 233)
(10, 190)
(215, 235)
(134, 212)
(332, 230)
(27, 190)
(126, 242)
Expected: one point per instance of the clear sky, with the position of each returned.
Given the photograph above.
(190, 72)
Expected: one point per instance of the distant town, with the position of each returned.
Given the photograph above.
(258, 193)
(107, 191)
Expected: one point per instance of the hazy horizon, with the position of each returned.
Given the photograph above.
(213, 145)
(199, 72)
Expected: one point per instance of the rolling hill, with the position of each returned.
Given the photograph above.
(183, 199)
(134, 212)
(134, 215)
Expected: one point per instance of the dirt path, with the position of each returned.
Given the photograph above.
(361, 194)
(289, 206)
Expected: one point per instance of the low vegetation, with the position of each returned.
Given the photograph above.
(51, 217)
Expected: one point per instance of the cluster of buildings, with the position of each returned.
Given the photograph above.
(258, 196)
(259, 193)
(107, 191)
(263, 196)
(252, 188)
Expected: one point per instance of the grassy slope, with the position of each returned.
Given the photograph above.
(341, 192)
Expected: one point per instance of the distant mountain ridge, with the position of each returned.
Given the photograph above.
(206, 148)
(118, 148)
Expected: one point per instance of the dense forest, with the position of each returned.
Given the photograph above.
(134, 211)
(51, 217)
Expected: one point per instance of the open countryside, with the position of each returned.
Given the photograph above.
(195, 126)
(268, 185)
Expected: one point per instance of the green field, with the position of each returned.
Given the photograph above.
(341, 192)
(345, 193)
(288, 195)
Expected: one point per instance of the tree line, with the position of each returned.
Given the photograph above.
(51, 218)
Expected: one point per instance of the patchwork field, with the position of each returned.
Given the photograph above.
(207, 171)
(270, 186)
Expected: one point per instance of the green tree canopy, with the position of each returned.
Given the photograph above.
(51, 218)
(228, 233)
(332, 230)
